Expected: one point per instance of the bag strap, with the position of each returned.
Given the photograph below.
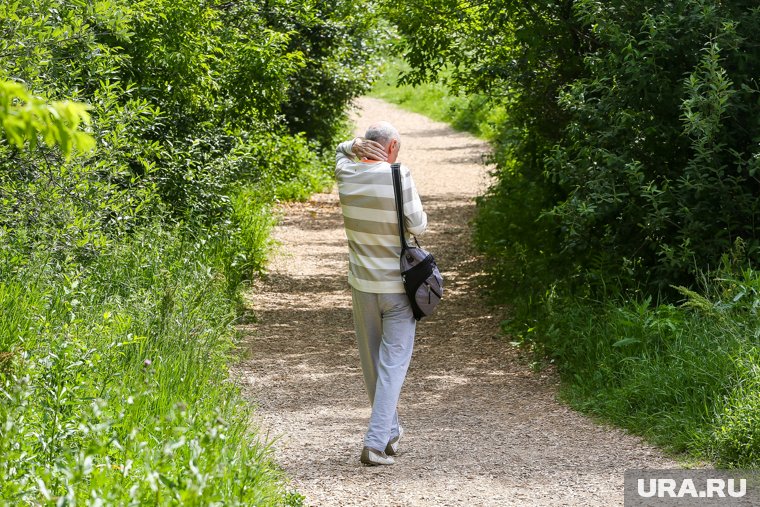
(396, 173)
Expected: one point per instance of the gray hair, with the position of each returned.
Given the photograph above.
(382, 132)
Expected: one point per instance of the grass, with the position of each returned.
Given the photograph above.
(684, 376)
(115, 379)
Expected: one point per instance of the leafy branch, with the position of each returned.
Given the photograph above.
(26, 118)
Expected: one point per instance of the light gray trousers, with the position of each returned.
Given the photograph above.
(385, 328)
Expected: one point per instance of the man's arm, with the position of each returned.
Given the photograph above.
(344, 154)
(415, 218)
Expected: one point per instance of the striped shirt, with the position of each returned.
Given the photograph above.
(371, 223)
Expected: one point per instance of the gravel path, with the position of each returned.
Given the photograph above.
(481, 428)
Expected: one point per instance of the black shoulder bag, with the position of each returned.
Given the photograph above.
(422, 279)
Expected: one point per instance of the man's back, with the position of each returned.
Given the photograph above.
(369, 214)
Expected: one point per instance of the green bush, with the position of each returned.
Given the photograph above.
(627, 163)
(342, 44)
(659, 155)
(177, 89)
(121, 267)
(637, 121)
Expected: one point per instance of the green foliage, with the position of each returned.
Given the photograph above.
(121, 267)
(243, 245)
(659, 153)
(117, 389)
(518, 54)
(194, 83)
(638, 121)
(24, 118)
(342, 44)
(292, 171)
(735, 440)
(515, 57)
(510, 230)
(627, 168)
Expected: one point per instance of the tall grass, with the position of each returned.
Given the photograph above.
(114, 375)
(685, 376)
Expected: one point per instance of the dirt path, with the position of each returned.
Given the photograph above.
(481, 429)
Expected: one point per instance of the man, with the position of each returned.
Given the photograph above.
(383, 318)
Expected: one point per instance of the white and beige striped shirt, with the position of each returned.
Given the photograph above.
(369, 216)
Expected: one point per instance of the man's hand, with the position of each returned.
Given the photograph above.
(364, 148)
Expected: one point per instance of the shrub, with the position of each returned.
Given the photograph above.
(659, 153)
(627, 164)
(120, 268)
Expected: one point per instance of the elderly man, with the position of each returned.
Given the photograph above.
(383, 318)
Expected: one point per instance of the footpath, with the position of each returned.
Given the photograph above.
(482, 429)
